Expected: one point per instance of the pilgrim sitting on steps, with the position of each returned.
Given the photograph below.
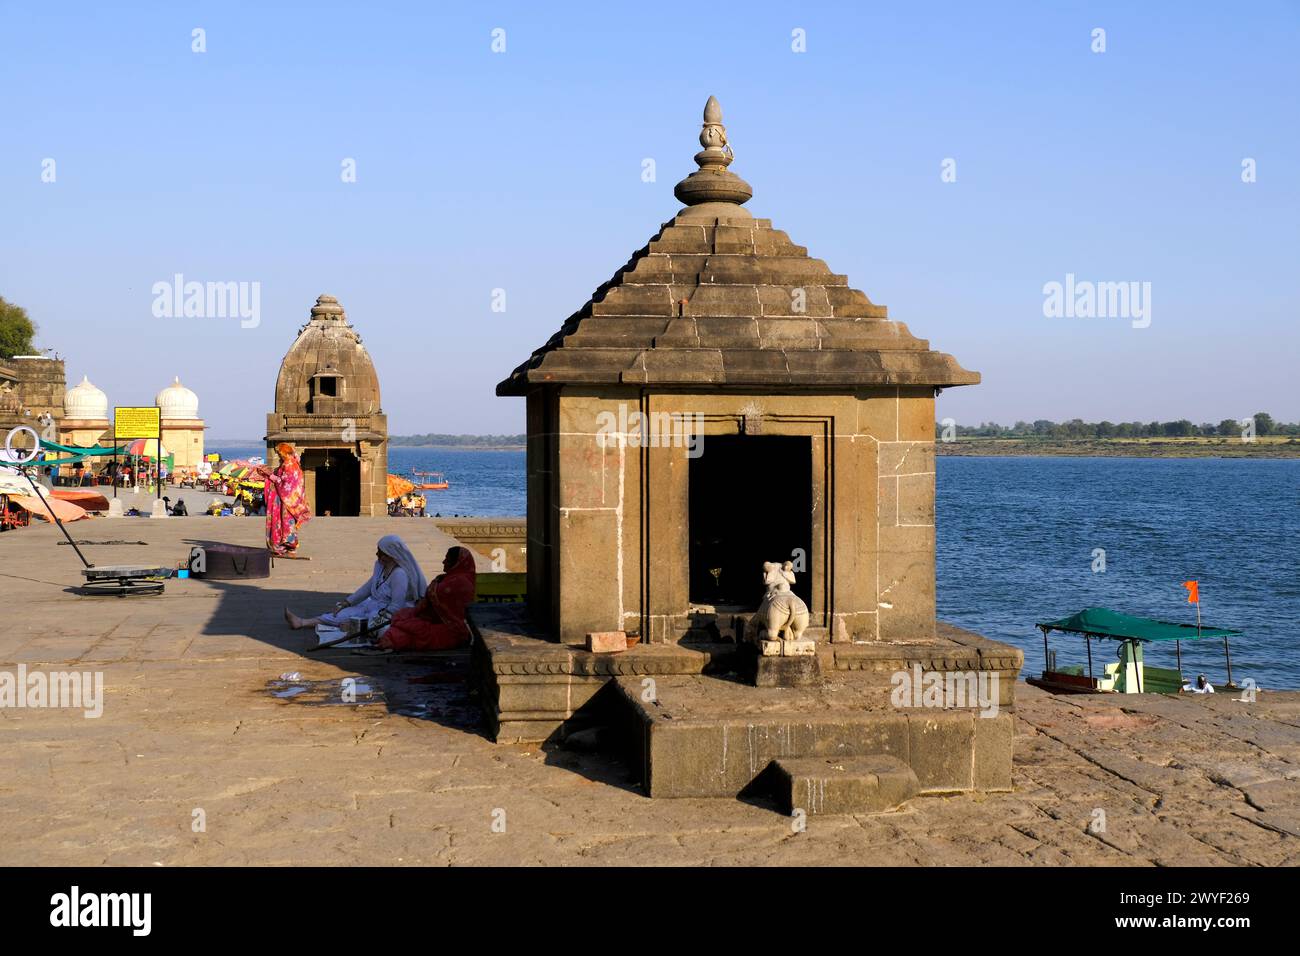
(396, 582)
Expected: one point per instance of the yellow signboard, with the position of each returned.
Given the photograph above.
(137, 422)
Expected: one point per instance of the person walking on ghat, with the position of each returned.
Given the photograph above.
(286, 503)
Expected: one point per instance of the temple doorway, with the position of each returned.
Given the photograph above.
(750, 502)
(337, 475)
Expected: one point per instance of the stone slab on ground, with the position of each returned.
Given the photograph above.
(188, 725)
(821, 785)
(606, 642)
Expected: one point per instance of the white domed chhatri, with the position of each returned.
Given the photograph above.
(85, 402)
(177, 401)
(182, 429)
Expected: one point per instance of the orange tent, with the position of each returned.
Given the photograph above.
(398, 486)
(66, 510)
(86, 498)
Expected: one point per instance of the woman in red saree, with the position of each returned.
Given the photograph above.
(437, 621)
(286, 502)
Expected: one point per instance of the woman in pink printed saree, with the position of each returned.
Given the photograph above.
(286, 503)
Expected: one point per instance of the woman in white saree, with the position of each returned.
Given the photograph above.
(395, 583)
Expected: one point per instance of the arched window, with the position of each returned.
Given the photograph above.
(325, 387)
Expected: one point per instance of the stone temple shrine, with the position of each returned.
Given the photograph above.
(327, 405)
(815, 415)
(723, 401)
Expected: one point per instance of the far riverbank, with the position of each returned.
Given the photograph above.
(393, 444)
(1264, 447)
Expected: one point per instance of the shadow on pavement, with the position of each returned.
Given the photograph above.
(430, 686)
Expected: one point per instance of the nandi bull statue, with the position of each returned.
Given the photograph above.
(781, 609)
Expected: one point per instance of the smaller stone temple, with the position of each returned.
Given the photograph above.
(327, 406)
(182, 428)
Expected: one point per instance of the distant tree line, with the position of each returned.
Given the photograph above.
(1078, 428)
(461, 441)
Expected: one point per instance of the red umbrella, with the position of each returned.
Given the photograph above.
(145, 447)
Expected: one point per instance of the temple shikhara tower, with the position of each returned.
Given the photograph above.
(731, 541)
(327, 405)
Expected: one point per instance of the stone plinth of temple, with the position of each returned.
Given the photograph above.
(503, 541)
(694, 729)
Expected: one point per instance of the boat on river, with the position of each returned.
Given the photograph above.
(1130, 674)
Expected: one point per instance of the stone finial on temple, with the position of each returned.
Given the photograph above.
(327, 307)
(713, 191)
(713, 137)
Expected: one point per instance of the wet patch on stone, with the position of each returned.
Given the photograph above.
(348, 691)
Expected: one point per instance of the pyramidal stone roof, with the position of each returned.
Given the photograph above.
(719, 298)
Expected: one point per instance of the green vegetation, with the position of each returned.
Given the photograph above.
(1256, 437)
(1264, 426)
(16, 330)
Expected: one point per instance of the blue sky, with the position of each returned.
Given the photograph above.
(522, 171)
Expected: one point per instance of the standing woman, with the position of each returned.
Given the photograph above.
(286, 503)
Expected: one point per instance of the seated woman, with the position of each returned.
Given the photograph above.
(437, 621)
(396, 583)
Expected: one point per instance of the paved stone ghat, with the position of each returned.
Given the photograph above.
(410, 776)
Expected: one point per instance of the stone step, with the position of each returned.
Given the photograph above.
(821, 785)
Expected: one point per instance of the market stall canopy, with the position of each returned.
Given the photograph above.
(65, 510)
(398, 486)
(86, 498)
(102, 451)
(1103, 622)
(236, 468)
(78, 453)
(244, 471)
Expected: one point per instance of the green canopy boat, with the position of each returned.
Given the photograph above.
(1128, 675)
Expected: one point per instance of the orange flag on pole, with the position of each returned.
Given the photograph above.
(1193, 592)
